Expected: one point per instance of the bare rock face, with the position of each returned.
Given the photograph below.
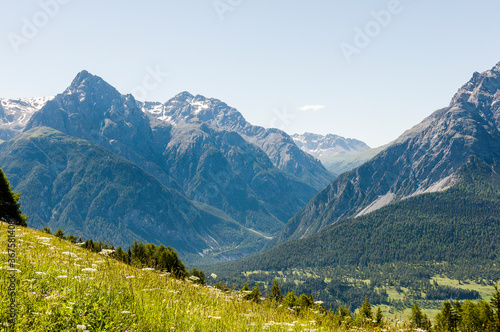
(424, 159)
(278, 145)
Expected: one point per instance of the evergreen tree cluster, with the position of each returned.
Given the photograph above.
(10, 209)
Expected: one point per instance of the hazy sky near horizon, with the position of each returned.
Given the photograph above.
(361, 69)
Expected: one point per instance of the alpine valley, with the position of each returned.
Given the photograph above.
(417, 223)
(190, 173)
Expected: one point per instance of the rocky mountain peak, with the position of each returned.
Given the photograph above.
(279, 146)
(326, 147)
(85, 85)
(481, 89)
(424, 159)
(496, 68)
(182, 97)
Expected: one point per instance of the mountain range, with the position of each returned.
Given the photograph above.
(421, 215)
(279, 146)
(220, 187)
(15, 114)
(338, 154)
(204, 180)
(424, 159)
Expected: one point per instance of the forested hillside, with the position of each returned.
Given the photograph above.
(454, 233)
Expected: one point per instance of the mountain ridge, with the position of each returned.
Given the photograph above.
(214, 168)
(278, 145)
(424, 159)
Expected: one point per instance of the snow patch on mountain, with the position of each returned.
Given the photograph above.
(15, 114)
(325, 147)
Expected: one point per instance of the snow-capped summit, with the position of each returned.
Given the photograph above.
(277, 144)
(15, 114)
(324, 147)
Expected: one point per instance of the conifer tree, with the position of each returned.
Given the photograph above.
(379, 317)
(495, 303)
(275, 293)
(366, 310)
(9, 207)
(60, 234)
(291, 300)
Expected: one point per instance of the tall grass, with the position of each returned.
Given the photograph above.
(62, 287)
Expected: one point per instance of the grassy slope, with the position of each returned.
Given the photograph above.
(61, 295)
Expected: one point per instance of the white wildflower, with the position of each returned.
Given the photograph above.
(70, 254)
(81, 327)
(106, 252)
(41, 273)
(126, 312)
(214, 317)
(62, 277)
(213, 275)
(148, 269)
(89, 269)
(130, 277)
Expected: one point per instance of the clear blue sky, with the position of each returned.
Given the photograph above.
(267, 58)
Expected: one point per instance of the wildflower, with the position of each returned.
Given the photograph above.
(126, 312)
(62, 277)
(213, 275)
(148, 269)
(70, 254)
(41, 273)
(106, 252)
(14, 270)
(214, 317)
(81, 327)
(89, 269)
(194, 278)
(130, 277)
